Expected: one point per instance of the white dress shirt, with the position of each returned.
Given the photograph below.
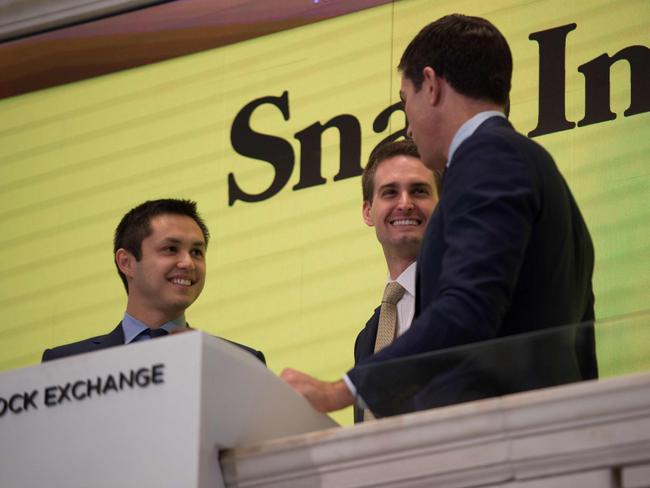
(405, 312)
(406, 304)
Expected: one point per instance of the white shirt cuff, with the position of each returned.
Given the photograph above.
(353, 389)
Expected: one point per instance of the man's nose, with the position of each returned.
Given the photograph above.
(409, 132)
(405, 201)
(185, 261)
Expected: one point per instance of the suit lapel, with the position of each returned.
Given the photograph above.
(113, 338)
(369, 334)
(364, 347)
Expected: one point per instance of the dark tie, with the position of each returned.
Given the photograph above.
(153, 333)
(149, 333)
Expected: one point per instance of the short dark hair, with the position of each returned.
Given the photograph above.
(468, 52)
(403, 147)
(135, 226)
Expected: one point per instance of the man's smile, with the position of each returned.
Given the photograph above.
(405, 221)
(181, 281)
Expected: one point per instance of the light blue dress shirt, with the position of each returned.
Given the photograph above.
(132, 328)
(468, 128)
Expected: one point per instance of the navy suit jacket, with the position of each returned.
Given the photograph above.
(112, 339)
(364, 347)
(505, 252)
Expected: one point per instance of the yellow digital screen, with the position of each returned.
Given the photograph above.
(269, 137)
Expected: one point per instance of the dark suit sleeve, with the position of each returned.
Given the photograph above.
(72, 349)
(46, 355)
(258, 354)
(488, 207)
(112, 339)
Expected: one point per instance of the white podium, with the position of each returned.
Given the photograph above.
(150, 414)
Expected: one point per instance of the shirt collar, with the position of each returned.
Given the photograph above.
(132, 326)
(407, 279)
(468, 128)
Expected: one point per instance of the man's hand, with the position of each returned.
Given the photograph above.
(324, 396)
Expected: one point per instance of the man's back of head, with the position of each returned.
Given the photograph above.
(468, 52)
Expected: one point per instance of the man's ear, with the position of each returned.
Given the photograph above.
(125, 261)
(365, 212)
(431, 83)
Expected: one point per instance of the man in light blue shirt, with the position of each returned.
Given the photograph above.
(506, 253)
(160, 249)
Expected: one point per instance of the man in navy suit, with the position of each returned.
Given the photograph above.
(399, 195)
(160, 248)
(507, 250)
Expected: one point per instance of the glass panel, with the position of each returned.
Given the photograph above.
(507, 365)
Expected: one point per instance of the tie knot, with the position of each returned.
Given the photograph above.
(393, 292)
(153, 333)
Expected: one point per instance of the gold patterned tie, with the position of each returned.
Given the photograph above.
(388, 315)
(387, 323)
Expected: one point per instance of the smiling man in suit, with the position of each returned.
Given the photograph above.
(160, 249)
(507, 250)
(399, 195)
